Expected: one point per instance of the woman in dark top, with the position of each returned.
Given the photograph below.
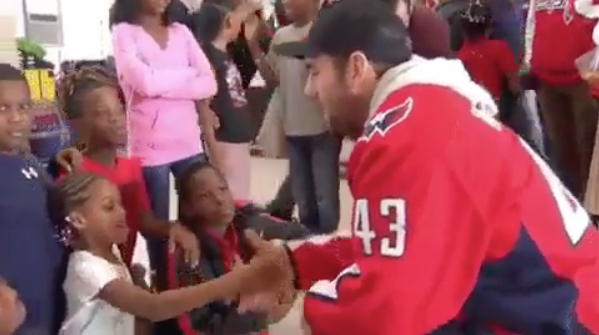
(217, 24)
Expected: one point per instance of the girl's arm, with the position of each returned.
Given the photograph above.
(169, 304)
(150, 225)
(270, 227)
(144, 79)
(508, 66)
(206, 117)
(267, 64)
(203, 86)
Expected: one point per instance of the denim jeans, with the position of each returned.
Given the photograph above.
(314, 172)
(158, 186)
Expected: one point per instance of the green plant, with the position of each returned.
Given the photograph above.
(30, 48)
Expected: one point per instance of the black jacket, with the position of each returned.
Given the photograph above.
(221, 318)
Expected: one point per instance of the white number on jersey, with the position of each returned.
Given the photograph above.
(574, 217)
(392, 211)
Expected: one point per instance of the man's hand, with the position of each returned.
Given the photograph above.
(182, 238)
(69, 159)
(264, 292)
(12, 310)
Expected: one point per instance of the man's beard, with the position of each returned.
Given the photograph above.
(354, 116)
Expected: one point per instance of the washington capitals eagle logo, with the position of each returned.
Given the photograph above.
(382, 122)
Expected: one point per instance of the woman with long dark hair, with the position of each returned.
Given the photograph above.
(164, 75)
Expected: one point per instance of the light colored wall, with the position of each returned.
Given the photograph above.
(85, 36)
(9, 10)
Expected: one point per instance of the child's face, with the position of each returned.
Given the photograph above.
(102, 217)
(15, 121)
(103, 117)
(210, 198)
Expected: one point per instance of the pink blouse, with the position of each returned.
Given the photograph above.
(161, 87)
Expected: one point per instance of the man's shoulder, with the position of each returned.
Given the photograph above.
(290, 33)
(408, 120)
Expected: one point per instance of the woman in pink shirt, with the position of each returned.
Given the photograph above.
(163, 74)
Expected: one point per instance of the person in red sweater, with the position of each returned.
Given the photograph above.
(489, 62)
(560, 36)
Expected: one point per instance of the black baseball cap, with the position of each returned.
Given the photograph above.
(347, 26)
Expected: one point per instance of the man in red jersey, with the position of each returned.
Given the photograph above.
(560, 36)
(453, 216)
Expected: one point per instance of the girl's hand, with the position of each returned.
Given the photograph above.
(250, 7)
(182, 238)
(251, 28)
(138, 276)
(12, 310)
(212, 119)
(69, 159)
(207, 117)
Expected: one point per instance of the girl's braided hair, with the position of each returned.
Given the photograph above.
(75, 84)
(64, 197)
(476, 19)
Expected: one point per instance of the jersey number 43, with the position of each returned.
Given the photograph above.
(394, 212)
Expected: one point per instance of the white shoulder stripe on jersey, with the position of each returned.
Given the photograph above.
(328, 289)
(319, 239)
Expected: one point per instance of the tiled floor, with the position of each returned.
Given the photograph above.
(267, 175)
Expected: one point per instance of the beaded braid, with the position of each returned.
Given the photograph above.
(78, 82)
(66, 196)
(75, 84)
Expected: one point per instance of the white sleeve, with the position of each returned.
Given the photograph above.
(88, 274)
(587, 8)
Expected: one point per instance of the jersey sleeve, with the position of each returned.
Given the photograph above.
(414, 222)
(321, 257)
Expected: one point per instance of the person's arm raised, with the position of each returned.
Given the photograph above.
(266, 63)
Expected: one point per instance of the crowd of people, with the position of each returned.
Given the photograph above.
(460, 226)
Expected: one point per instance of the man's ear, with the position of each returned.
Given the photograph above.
(403, 10)
(357, 68)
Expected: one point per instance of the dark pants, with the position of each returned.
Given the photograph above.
(157, 179)
(314, 173)
(570, 116)
(283, 204)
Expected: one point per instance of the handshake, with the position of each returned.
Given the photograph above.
(267, 282)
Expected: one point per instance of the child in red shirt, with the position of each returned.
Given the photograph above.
(91, 100)
(489, 62)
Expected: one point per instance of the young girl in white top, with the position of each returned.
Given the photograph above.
(101, 296)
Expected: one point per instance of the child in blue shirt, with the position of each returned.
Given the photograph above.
(30, 256)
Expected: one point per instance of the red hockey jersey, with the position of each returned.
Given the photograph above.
(454, 215)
